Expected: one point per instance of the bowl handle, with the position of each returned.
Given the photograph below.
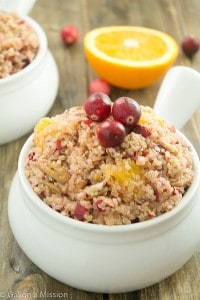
(179, 95)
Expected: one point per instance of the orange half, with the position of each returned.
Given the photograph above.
(130, 57)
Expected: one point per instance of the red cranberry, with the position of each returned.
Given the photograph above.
(156, 194)
(21, 21)
(190, 45)
(69, 34)
(98, 106)
(88, 122)
(111, 133)
(141, 130)
(31, 156)
(99, 85)
(80, 211)
(58, 145)
(126, 110)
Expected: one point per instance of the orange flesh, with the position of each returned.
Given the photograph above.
(128, 45)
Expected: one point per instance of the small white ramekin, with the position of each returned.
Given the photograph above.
(28, 95)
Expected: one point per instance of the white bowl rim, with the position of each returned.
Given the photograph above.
(37, 59)
(56, 216)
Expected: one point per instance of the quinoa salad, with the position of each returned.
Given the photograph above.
(140, 179)
(19, 44)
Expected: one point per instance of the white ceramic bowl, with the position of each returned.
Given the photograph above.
(22, 7)
(102, 258)
(28, 95)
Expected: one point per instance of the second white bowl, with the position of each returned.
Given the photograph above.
(28, 95)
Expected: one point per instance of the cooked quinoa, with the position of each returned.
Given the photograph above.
(144, 177)
(18, 44)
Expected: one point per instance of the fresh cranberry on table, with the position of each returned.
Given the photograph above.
(99, 85)
(190, 45)
(69, 35)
